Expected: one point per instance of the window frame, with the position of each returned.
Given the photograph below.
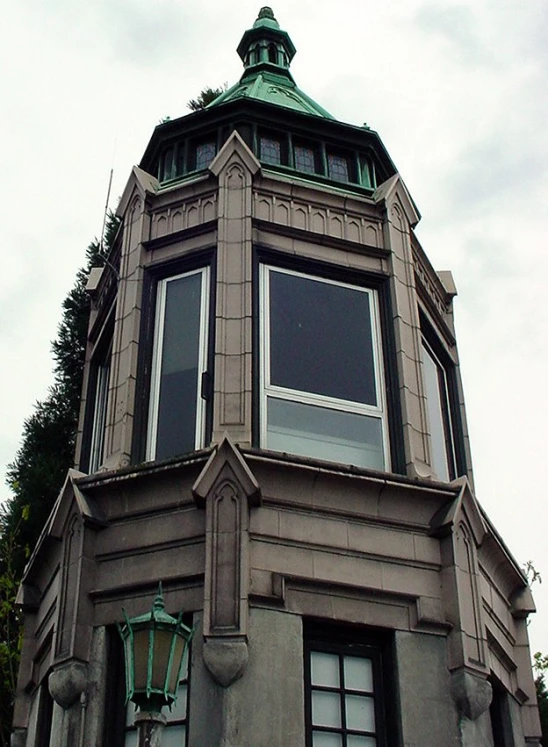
(360, 642)
(332, 153)
(314, 149)
(445, 415)
(265, 265)
(154, 275)
(97, 399)
(158, 348)
(433, 341)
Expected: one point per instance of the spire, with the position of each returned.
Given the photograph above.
(266, 52)
(266, 45)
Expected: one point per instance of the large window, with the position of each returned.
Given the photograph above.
(322, 391)
(439, 414)
(345, 687)
(176, 420)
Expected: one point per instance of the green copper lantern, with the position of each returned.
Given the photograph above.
(154, 650)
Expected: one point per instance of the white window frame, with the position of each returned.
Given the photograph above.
(293, 395)
(100, 404)
(161, 295)
(446, 416)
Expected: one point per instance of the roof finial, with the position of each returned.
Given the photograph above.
(266, 12)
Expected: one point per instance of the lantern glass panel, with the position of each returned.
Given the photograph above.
(176, 664)
(162, 647)
(140, 653)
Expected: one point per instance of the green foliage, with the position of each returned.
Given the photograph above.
(205, 97)
(37, 473)
(540, 666)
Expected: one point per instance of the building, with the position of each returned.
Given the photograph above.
(272, 425)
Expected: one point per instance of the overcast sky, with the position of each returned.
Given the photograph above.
(457, 91)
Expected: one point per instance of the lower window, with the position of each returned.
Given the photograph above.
(345, 698)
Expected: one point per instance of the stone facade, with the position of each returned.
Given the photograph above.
(268, 550)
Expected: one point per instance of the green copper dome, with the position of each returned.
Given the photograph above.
(266, 52)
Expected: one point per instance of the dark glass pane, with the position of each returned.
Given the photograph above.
(338, 168)
(205, 153)
(320, 338)
(169, 164)
(304, 159)
(436, 405)
(270, 150)
(179, 373)
(323, 433)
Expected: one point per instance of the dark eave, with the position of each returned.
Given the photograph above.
(246, 111)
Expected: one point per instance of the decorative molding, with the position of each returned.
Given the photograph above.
(226, 488)
(347, 245)
(182, 218)
(316, 219)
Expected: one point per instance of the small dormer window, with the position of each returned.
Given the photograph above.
(270, 150)
(305, 159)
(337, 167)
(205, 153)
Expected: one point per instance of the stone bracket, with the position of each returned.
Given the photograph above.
(225, 659)
(471, 693)
(67, 682)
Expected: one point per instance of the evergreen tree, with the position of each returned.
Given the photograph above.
(541, 669)
(37, 473)
(205, 97)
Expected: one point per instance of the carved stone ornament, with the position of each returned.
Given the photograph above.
(471, 693)
(225, 659)
(68, 682)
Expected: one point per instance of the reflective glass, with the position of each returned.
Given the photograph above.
(132, 739)
(434, 382)
(358, 674)
(99, 417)
(131, 710)
(176, 424)
(338, 168)
(324, 669)
(335, 435)
(178, 711)
(270, 150)
(174, 736)
(326, 709)
(205, 153)
(323, 739)
(304, 159)
(360, 712)
(321, 338)
(355, 741)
